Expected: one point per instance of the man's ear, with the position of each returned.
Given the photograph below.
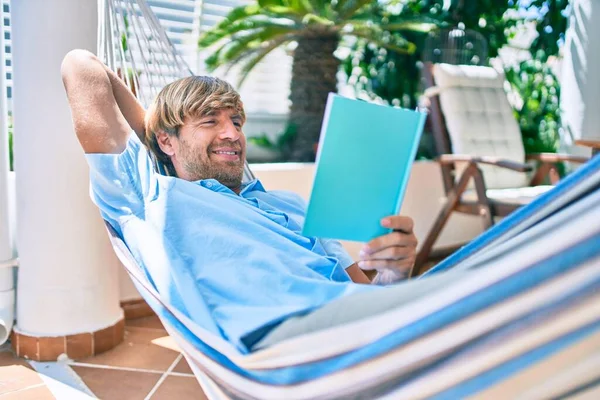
(165, 142)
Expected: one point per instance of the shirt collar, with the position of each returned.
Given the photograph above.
(216, 186)
(253, 185)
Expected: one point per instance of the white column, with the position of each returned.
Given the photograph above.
(68, 273)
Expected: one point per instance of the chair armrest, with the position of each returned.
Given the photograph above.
(498, 162)
(556, 157)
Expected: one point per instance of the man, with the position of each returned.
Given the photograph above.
(230, 256)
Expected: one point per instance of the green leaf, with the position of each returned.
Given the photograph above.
(340, 5)
(214, 35)
(124, 42)
(287, 137)
(351, 7)
(262, 141)
(243, 45)
(301, 6)
(237, 14)
(312, 19)
(283, 11)
(266, 3)
(422, 27)
(375, 37)
(11, 157)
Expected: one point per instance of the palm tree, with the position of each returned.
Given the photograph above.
(249, 33)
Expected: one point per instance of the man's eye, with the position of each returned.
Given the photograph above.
(238, 124)
(210, 122)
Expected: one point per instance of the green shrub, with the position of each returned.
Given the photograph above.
(539, 115)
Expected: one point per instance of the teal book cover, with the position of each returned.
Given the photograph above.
(363, 161)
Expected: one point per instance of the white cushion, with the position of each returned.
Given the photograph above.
(480, 120)
(512, 196)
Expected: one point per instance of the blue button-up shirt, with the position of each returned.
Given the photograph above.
(232, 263)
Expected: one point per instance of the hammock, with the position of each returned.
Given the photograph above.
(529, 295)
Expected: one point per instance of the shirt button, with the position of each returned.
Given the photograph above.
(208, 184)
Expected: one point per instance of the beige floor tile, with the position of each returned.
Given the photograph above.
(16, 373)
(146, 322)
(180, 388)
(35, 393)
(138, 351)
(110, 384)
(183, 367)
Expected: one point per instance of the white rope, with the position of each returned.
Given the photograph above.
(132, 24)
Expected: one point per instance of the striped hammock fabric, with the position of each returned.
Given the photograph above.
(522, 321)
(529, 296)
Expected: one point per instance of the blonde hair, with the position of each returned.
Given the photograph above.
(194, 96)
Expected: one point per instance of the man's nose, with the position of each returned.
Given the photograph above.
(230, 132)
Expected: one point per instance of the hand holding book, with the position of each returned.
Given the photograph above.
(392, 255)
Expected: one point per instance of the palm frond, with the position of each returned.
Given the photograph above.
(390, 42)
(423, 27)
(303, 6)
(319, 6)
(313, 19)
(212, 36)
(237, 14)
(351, 7)
(266, 3)
(284, 12)
(340, 5)
(232, 50)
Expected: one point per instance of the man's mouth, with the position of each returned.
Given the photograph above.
(227, 154)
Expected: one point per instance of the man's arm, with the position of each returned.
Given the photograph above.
(104, 110)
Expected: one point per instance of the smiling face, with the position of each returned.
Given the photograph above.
(209, 147)
(194, 127)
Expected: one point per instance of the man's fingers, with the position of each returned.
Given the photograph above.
(399, 223)
(398, 266)
(390, 253)
(399, 239)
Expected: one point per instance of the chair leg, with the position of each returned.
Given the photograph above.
(440, 222)
(432, 236)
(542, 172)
(485, 208)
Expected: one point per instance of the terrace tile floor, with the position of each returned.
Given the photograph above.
(147, 365)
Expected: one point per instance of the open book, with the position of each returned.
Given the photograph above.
(363, 164)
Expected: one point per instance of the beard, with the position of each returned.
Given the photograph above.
(199, 165)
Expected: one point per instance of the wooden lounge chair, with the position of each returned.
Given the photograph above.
(484, 167)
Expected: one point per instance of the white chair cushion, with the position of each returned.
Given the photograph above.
(520, 196)
(480, 120)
